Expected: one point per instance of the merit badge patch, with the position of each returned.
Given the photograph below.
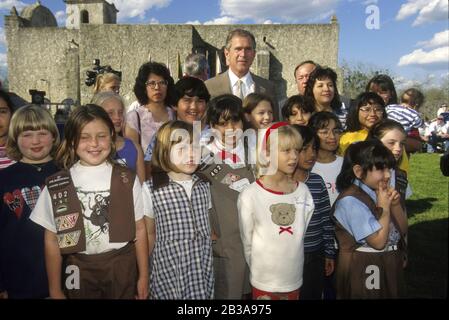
(69, 239)
(124, 177)
(230, 178)
(240, 185)
(66, 222)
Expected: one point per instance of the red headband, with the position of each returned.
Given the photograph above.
(272, 128)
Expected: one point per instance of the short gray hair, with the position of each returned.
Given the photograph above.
(195, 65)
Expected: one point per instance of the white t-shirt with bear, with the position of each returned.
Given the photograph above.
(272, 228)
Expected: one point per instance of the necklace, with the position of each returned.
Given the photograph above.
(37, 167)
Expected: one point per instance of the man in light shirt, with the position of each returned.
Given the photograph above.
(438, 132)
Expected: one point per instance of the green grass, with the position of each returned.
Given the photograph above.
(427, 209)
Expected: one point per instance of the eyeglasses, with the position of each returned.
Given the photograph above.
(326, 132)
(376, 109)
(152, 83)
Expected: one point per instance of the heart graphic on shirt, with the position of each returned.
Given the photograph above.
(14, 201)
(31, 196)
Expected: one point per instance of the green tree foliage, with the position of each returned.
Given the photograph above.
(434, 97)
(355, 77)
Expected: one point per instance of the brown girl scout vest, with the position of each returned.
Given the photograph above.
(230, 268)
(350, 283)
(69, 217)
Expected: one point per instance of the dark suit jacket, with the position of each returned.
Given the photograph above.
(221, 85)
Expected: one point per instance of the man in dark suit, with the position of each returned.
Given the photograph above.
(240, 51)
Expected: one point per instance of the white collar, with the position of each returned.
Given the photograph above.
(217, 146)
(246, 79)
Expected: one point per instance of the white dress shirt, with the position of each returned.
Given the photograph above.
(248, 85)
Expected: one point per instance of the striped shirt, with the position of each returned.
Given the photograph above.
(409, 118)
(4, 160)
(320, 232)
(342, 115)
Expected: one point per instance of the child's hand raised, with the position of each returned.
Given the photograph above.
(383, 197)
(395, 197)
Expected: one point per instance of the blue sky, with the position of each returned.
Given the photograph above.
(408, 37)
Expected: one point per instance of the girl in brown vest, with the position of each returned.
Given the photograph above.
(393, 136)
(369, 262)
(95, 237)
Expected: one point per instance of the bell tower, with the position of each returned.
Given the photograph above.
(89, 12)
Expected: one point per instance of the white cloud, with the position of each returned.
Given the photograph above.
(270, 22)
(220, 20)
(368, 2)
(427, 10)
(287, 10)
(433, 54)
(437, 57)
(153, 21)
(8, 4)
(439, 39)
(137, 8)
(61, 17)
(194, 22)
(223, 20)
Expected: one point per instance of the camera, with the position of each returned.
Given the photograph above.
(37, 97)
(98, 69)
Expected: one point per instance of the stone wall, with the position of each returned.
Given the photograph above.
(127, 47)
(58, 65)
(42, 59)
(98, 14)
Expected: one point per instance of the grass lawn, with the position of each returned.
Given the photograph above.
(427, 209)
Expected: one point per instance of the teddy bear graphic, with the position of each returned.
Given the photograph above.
(283, 215)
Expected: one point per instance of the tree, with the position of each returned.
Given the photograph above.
(434, 97)
(356, 77)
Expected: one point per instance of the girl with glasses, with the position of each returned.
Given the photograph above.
(328, 164)
(368, 110)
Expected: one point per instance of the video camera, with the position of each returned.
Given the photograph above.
(37, 97)
(97, 69)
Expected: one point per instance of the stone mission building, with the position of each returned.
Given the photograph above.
(55, 59)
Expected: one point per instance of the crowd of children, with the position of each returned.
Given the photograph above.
(239, 207)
